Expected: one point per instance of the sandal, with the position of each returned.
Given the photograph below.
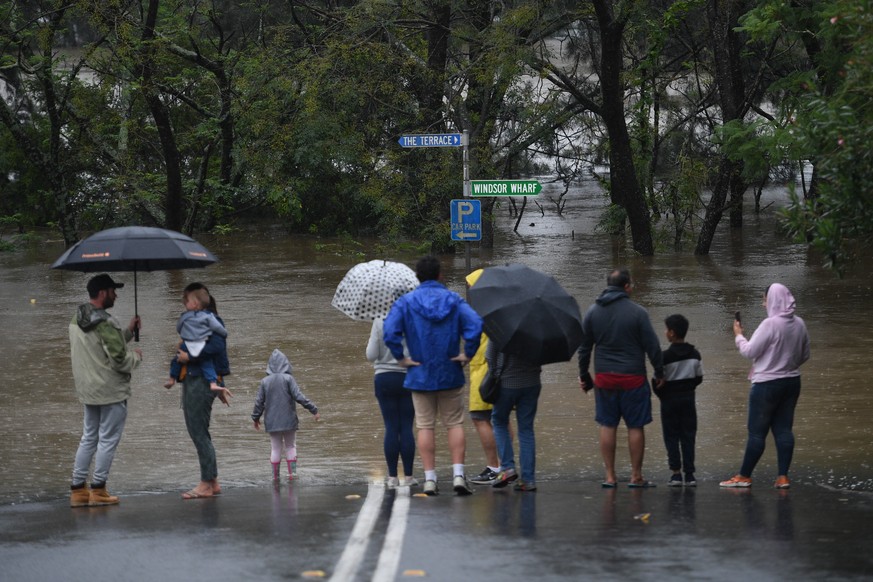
(608, 484)
(641, 484)
(194, 495)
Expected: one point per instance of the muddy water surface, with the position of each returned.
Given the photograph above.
(274, 290)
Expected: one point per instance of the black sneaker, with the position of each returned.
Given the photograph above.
(486, 477)
(690, 481)
(675, 480)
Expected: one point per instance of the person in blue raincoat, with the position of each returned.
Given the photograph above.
(433, 320)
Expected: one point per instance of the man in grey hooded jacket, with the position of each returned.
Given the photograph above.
(101, 372)
(620, 334)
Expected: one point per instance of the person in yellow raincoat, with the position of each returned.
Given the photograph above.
(480, 411)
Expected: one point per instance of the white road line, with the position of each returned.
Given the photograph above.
(350, 561)
(389, 558)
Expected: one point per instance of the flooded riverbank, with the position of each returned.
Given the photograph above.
(274, 290)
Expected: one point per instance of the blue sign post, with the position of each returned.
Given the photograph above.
(466, 220)
(437, 140)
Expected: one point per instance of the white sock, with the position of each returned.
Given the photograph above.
(458, 469)
(495, 469)
(430, 476)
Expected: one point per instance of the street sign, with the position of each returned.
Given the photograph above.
(437, 140)
(505, 187)
(466, 220)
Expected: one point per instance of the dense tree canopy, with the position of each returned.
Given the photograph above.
(189, 114)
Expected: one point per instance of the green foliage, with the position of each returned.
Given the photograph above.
(612, 220)
(826, 118)
(680, 200)
(297, 112)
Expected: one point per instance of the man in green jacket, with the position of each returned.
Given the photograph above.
(101, 372)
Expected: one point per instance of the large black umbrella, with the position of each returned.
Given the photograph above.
(527, 313)
(135, 248)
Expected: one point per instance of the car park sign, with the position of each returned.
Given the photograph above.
(466, 217)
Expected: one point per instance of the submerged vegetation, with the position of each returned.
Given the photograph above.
(189, 115)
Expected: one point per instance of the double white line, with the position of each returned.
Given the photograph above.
(389, 558)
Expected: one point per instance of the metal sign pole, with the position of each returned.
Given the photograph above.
(465, 143)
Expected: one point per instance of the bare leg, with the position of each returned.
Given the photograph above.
(486, 437)
(457, 444)
(426, 448)
(636, 442)
(607, 450)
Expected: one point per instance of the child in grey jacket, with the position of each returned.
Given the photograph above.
(276, 399)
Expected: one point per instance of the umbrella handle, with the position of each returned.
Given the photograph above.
(135, 309)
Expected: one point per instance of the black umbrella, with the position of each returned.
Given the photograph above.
(527, 314)
(135, 248)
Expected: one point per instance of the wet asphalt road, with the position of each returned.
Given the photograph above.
(564, 531)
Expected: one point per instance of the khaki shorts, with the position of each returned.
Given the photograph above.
(448, 403)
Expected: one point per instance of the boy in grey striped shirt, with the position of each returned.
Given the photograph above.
(683, 372)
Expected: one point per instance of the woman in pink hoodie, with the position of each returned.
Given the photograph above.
(777, 349)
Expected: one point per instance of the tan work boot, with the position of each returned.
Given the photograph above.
(80, 496)
(100, 496)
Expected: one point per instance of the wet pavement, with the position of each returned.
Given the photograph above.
(566, 530)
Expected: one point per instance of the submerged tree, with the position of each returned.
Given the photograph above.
(823, 120)
(56, 174)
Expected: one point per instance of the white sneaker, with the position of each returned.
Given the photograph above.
(430, 488)
(460, 485)
(409, 482)
(392, 483)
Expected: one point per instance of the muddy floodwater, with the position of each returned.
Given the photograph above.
(274, 290)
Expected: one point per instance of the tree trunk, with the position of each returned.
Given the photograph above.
(173, 218)
(50, 162)
(726, 52)
(625, 189)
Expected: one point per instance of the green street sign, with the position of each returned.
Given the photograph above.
(505, 187)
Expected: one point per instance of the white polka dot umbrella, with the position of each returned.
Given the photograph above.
(370, 289)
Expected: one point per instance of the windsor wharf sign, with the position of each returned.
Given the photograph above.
(505, 187)
(436, 140)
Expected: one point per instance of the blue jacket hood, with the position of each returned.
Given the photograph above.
(430, 322)
(432, 302)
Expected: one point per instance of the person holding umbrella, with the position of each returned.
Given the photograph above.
(102, 365)
(395, 403)
(620, 334)
(432, 320)
(520, 388)
(366, 293)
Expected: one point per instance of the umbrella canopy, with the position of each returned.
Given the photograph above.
(135, 248)
(369, 289)
(527, 314)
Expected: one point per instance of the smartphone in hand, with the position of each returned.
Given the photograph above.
(737, 317)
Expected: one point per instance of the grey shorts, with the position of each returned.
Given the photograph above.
(480, 415)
